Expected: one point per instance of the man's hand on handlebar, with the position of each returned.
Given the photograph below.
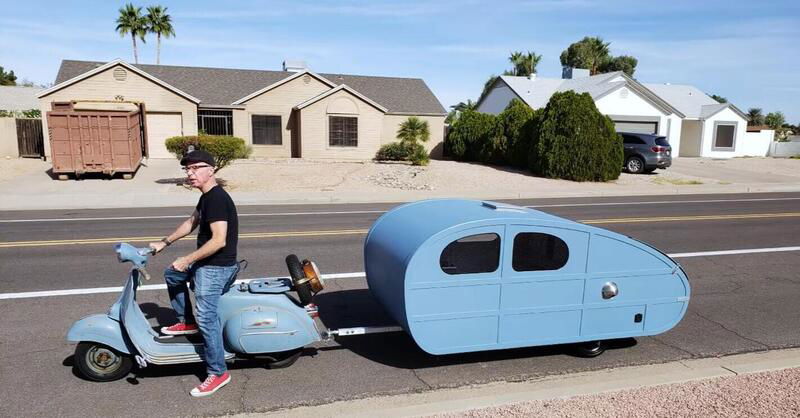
(158, 246)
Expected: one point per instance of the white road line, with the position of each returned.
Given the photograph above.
(734, 252)
(241, 215)
(362, 212)
(70, 292)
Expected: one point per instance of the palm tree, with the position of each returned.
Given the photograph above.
(131, 21)
(516, 61)
(160, 23)
(413, 131)
(595, 52)
(523, 64)
(756, 116)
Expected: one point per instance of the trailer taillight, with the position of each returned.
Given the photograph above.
(312, 311)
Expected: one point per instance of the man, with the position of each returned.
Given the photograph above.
(210, 267)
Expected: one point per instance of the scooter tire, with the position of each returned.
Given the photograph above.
(296, 272)
(283, 359)
(101, 363)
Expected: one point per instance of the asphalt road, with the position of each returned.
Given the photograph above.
(740, 303)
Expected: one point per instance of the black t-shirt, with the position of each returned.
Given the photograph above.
(217, 205)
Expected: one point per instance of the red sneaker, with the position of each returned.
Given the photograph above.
(211, 385)
(180, 329)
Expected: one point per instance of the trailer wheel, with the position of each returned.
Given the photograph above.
(589, 349)
(101, 363)
(282, 359)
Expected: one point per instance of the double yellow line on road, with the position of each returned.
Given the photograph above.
(291, 234)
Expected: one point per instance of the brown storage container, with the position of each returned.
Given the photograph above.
(95, 141)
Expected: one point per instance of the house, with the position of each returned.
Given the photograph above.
(19, 98)
(282, 114)
(695, 124)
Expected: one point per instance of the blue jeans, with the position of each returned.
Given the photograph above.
(209, 283)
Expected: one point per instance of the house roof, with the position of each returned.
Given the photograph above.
(19, 98)
(225, 86)
(536, 91)
(692, 102)
(346, 88)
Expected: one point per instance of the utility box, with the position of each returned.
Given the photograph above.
(96, 141)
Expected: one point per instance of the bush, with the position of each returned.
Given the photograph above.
(419, 155)
(517, 129)
(224, 148)
(395, 151)
(469, 133)
(574, 141)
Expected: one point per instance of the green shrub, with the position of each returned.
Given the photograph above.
(395, 151)
(493, 146)
(574, 141)
(419, 155)
(224, 148)
(469, 133)
(517, 127)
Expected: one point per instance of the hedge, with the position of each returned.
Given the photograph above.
(224, 148)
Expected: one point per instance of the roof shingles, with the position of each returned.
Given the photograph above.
(223, 86)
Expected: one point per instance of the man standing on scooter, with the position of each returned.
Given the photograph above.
(210, 267)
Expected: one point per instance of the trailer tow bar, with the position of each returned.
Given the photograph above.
(346, 332)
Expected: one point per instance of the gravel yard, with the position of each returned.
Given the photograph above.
(768, 394)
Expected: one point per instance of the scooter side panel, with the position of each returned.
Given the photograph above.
(101, 329)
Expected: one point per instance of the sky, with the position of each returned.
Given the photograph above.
(747, 52)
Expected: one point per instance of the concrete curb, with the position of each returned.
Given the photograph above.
(551, 387)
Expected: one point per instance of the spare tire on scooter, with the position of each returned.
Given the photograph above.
(299, 280)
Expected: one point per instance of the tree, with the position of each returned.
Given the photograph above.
(624, 63)
(160, 23)
(574, 141)
(756, 116)
(413, 131)
(457, 109)
(524, 64)
(775, 120)
(719, 99)
(131, 21)
(589, 53)
(7, 78)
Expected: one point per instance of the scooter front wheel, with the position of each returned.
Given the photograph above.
(101, 363)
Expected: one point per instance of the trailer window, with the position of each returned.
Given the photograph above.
(473, 254)
(535, 251)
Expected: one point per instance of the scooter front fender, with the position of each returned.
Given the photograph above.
(101, 329)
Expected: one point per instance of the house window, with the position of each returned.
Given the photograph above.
(534, 251)
(267, 130)
(724, 136)
(473, 254)
(215, 122)
(343, 131)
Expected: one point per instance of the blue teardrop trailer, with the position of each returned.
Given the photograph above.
(461, 276)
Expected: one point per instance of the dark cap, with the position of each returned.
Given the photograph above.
(198, 156)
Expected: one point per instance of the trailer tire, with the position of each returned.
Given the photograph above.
(589, 349)
(101, 363)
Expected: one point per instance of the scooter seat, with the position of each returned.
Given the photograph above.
(270, 286)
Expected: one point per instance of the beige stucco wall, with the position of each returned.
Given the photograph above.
(8, 138)
(391, 123)
(279, 102)
(103, 86)
(314, 128)
(691, 139)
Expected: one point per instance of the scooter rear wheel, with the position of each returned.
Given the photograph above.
(283, 359)
(589, 349)
(101, 363)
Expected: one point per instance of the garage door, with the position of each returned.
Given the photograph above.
(637, 127)
(161, 126)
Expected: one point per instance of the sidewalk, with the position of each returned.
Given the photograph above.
(27, 186)
(755, 384)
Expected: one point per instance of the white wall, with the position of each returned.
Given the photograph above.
(672, 130)
(8, 138)
(726, 115)
(497, 100)
(625, 101)
(784, 149)
(755, 144)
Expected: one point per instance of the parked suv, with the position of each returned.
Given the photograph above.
(645, 152)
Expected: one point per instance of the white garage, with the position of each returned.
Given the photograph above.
(637, 127)
(161, 126)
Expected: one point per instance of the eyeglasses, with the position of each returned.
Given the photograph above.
(194, 168)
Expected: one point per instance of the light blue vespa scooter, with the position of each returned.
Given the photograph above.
(260, 319)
